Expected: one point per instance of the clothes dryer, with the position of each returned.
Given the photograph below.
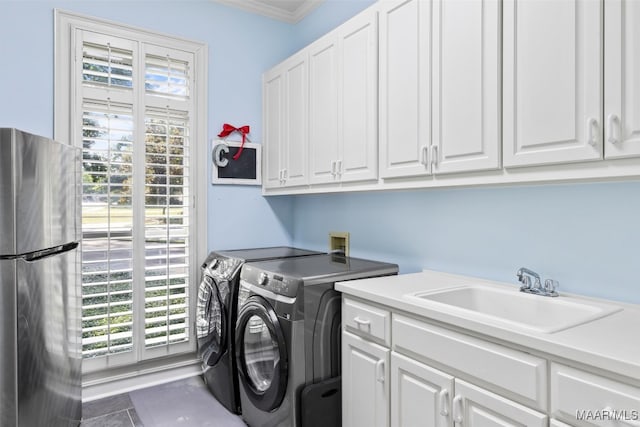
(288, 337)
(216, 316)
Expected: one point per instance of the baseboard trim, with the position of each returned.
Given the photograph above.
(111, 385)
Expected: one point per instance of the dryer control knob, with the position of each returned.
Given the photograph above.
(263, 279)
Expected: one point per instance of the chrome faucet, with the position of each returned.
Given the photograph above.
(548, 289)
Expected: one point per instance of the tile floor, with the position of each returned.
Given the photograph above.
(186, 402)
(115, 411)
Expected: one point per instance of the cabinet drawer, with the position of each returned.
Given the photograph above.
(518, 374)
(368, 321)
(578, 394)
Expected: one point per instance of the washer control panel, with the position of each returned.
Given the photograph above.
(276, 283)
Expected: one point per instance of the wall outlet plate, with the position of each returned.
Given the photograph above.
(339, 242)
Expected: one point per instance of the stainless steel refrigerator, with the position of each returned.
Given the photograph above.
(40, 290)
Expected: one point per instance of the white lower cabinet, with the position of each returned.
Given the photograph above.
(400, 370)
(420, 395)
(426, 397)
(365, 382)
(473, 406)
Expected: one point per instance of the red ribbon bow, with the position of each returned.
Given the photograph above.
(227, 129)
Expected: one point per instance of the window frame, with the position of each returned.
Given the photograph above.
(68, 128)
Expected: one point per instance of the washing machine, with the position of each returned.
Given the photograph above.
(288, 338)
(216, 313)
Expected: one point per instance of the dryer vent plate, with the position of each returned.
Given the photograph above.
(339, 242)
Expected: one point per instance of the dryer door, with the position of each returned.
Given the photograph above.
(261, 353)
(211, 321)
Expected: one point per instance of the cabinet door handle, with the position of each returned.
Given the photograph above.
(434, 155)
(362, 322)
(339, 168)
(592, 130)
(333, 168)
(443, 402)
(380, 371)
(612, 122)
(424, 155)
(280, 176)
(458, 409)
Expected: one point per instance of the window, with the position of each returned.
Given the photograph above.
(135, 111)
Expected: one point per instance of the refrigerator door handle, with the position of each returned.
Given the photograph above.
(56, 250)
(44, 253)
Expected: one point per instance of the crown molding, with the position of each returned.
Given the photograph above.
(271, 11)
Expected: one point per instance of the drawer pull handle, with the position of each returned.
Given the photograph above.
(362, 322)
(444, 402)
(626, 422)
(458, 409)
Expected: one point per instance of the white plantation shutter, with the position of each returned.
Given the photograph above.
(167, 228)
(136, 103)
(107, 247)
(167, 77)
(168, 198)
(107, 65)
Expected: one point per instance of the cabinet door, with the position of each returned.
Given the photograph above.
(466, 85)
(357, 110)
(552, 81)
(420, 395)
(323, 109)
(365, 383)
(622, 78)
(405, 117)
(295, 154)
(274, 131)
(473, 406)
(556, 423)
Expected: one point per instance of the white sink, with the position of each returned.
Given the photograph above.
(509, 307)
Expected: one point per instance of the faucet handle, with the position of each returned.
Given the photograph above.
(550, 286)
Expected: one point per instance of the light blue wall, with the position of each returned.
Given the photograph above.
(241, 47)
(587, 236)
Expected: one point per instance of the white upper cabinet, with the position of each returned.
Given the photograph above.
(273, 116)
(552, 81)
(466, 86)
(358, 107)
(439, 86)
(323, 109)
(404, 111)
(622, 78)
(343, 102)
(285, 100)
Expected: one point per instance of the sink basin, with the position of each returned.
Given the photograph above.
(509, 307)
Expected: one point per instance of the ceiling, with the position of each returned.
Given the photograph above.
(290, 11)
